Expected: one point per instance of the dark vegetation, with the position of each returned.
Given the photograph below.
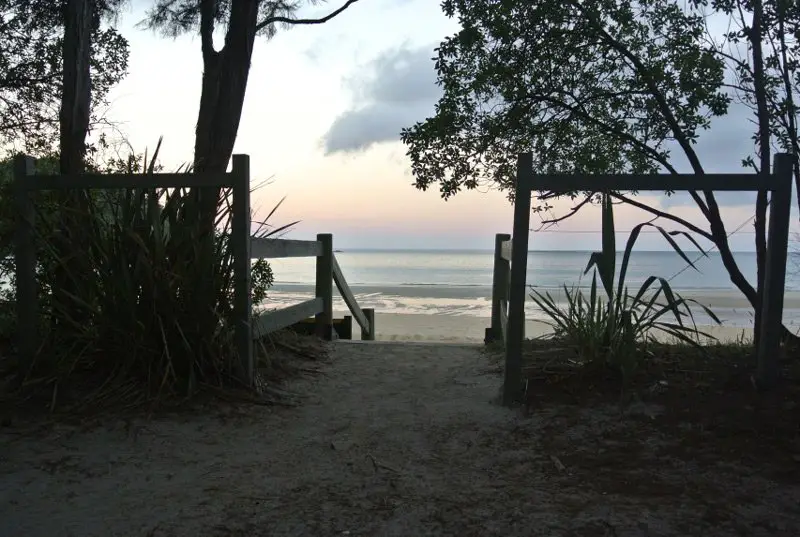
(135, 284)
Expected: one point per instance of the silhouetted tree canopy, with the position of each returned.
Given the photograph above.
(31, 35)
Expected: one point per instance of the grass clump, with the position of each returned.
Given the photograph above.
(611, 326)
(149, 308)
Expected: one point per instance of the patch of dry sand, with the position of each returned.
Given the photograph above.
(393, 440)
(469, 329)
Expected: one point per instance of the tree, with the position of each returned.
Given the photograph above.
(76, 94)
(225, 70)
(31, 34)
(79, 16)
(224, 84)
(606, 87)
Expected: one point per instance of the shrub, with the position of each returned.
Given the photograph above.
(611, 326)
(137, 320)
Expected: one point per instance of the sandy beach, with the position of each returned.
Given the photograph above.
(469, 329)
(395, 440)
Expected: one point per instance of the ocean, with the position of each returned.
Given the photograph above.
(458, 282)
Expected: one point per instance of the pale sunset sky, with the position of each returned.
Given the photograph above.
(322, 117)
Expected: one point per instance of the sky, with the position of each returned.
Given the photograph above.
(324, 108)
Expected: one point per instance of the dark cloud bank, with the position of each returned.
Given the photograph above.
(399, 88)
(395, 90)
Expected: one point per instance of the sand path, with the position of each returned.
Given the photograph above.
(394, 440)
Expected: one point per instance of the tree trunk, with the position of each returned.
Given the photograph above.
(224, 84)
(759, 87)
(76, 91)
(225, 74)
(74, 125)
(760, 225)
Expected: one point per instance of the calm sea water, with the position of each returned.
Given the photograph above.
(458, 282)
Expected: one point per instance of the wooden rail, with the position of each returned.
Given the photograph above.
(509, 285)
(267, 322)
(328, 273)
(128, 180)
(275, 248)
(364, 318)
(498, 330)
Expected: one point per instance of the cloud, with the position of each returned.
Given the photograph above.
(398, 89)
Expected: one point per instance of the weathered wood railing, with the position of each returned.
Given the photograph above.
(778, 183)
(501, 275)
(321, 306)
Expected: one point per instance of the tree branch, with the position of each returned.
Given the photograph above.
(713, 213)
(665, 215)
(295, 22)
(642, 146)
(548, 223)
(663, 105)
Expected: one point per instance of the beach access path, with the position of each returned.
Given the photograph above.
(393, 439)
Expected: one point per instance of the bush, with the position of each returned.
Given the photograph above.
(138, 319)
(612, 327)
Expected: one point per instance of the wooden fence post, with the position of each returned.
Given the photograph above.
(346, 328)
(512, 384)
(369, 335)
(27, 293)
(775, 278)
(325, 286)
(240, 244)
(500, 279)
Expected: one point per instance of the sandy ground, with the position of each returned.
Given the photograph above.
(393, 440)
(464, 328)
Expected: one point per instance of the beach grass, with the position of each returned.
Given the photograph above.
(137, 311)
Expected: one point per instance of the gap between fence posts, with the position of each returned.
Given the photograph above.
(512, 382)
(324, 286)
(767, 372)
(240, 244)
(500, 280)
(27, 293)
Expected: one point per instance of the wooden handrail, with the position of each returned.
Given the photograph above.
(501, 275)
(365, 322)
(270, 321)
(328, 272)
(261, 248)
(558, 183)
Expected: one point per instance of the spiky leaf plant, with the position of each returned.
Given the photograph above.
(139, 336)
(611, 326)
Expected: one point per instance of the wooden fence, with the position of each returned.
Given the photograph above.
(321, 306)
(511, 253)
(501, 277)
(244, 247)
